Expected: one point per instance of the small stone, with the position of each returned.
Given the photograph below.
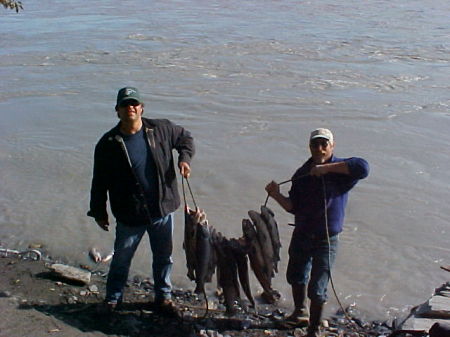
(72, 300)
(298, 332)
(83, 293)
(93, 288)
(35, 245)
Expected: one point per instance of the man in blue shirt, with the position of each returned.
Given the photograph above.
(317, 199)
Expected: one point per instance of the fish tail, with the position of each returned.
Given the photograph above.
(206, 303)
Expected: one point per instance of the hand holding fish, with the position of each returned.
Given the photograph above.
(185, 169)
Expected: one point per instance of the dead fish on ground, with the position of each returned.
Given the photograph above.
(96, 256)
(272, 226)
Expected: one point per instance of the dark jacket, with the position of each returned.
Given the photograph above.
(307, 196)
(114, 176)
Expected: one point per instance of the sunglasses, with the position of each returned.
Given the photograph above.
(319, 142)
(128, 102)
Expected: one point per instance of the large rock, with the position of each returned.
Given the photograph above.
(71, 273)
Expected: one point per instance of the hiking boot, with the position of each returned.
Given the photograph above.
(315, 310)
(300, 316)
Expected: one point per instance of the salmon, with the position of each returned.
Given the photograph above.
(255, 256)
(227, 274)
(190, 238)
(263, 235)
(272, 227)
(205, 257)
(240, 256)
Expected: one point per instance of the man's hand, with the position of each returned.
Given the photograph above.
(272, 188)
(103, 224)
(319, 170)
(185, 169)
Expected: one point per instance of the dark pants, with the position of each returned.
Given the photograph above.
(125, 245)
(310, 262)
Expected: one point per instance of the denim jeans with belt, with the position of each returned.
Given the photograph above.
(312, 257)
(125, 245)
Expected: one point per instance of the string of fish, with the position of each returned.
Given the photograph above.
(195, 205)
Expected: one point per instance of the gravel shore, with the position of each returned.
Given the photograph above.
(36, 302)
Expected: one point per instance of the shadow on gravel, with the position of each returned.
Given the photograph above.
(130, 320)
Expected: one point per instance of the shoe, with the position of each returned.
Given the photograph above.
(292, 322)
(167, 307)
(297, 321)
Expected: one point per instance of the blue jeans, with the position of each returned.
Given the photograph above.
(125, 245)
(311, 257)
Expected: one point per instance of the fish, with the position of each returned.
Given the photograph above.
(263, 235)
(239, 248)
(272, 226)
(190, 238)
(108, 257)
(205, 258)
(227, 274)
(255, 255)
(95, 255)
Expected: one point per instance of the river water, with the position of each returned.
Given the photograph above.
(250, 80)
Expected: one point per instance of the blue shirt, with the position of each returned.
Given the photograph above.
(307, 196)
(144, 167)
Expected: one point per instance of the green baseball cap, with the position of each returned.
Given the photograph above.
(128, 93)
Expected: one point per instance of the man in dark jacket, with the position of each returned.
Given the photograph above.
(134, 166)
(317, 198)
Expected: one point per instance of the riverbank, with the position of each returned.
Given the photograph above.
(36, 302)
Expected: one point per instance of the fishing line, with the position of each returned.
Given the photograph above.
(285, 182)
(329, 251)
(328, 238)
(190, 191)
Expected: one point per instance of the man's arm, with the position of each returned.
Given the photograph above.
(99, 193)
(273, 189)
(337, 167)
(355, 167)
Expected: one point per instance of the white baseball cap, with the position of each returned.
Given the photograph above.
(322, 133)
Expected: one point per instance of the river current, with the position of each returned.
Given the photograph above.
(250, 80)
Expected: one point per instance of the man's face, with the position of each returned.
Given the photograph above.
(129, 110)
(321, 150)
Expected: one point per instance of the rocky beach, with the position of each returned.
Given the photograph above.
(37, 301)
